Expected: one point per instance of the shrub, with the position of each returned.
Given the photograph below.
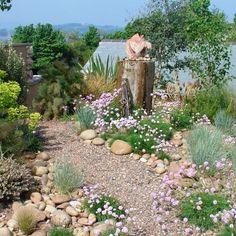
(225, 122)
(96, 206)
(67, 178)
(15, 180)
(181, 120)
(206, 144)
(60, 232)
(207, 102)
(198, 208)
(13, 65)
(26, 221)
(86, 117)
(57, 93)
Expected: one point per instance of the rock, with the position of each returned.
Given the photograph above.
(50, 176)
(88, 134)
(16, 206)
(83, 233)
(99, 229)
(98, 141)
(71, 211)
(43, 156)
(39, 233)
(174, 168)
(30, 156)
(87, 141)
(41, 206)
(120, 147)
(143, 160)
(44, 179)
(91, 219)
(176, 157)
(76, 204)
(39, 215)
(176, 142)
(160, 169)
(136, 157)
(5, 232)
(12, 223)
(178, 136)
(40, 163)
(60, 218)
(36, 197)
(50, 209)
(184, 182)
(83, 221)
(63, 205)
(151, 161)
(39, 170)
(59, 199)
(146, 156)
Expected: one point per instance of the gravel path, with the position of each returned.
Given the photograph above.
(129, 181)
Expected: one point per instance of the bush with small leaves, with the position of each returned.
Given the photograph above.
(67, 178)
(60, 232)
(26, 221)
(199, 208)
(15, 180)
(206, 144)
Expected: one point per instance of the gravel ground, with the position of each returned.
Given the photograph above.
(131, 182)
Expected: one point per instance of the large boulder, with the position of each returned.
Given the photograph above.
(5, 232)
(60, 218)
(88, 134)
(120, 147)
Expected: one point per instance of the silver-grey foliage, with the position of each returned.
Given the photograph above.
(86, 116)
(206, 144)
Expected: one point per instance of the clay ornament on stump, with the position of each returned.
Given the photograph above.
(136, 47)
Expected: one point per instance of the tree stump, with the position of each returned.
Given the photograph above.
(140, 77)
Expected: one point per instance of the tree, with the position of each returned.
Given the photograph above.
(5, 5)
(49, 44)
(92, 37)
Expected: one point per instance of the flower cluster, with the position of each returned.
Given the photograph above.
(160, 94)
(123, 122)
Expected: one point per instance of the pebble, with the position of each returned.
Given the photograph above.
(36, 197)
(88, 134)
(50, 209)
(39, 170)
(39, 233)
(59, 199)
(120, 147)
(43, 156)
(98, 141)
(71, 211)
(60, 218)
(136, 157)
(143, 160)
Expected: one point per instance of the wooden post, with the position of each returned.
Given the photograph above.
(140, 77)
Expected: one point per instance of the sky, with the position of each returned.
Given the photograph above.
(98, 12)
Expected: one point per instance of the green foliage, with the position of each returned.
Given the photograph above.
(92, 37)
(162, 156)
(227, 231)
(98, 69)
(206, 144)
(225, 123)
(112, 231)
(5, 5)
(67, 178)
(26, 221)
(62, 86)
(13, 65)
(60, 232)
(3, 74)
(48, 44)
(86, 117)
(93, 208)
(207, 102)
(181, 120)
(232, 155)
(201, 218)
(16, 180)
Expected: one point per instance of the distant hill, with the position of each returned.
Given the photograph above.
(5, 33)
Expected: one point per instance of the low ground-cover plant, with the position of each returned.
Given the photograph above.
(67, 178)
(181, 120)
(104, 207)
(206, 145)
(225, 123)
(86, 117)
(113, 231)
(60, 232)
(26, 220)
(163, 155)
(199, 208)
(229, 230)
